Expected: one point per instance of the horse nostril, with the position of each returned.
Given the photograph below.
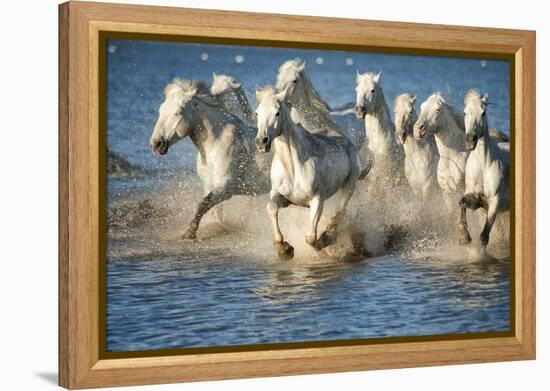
(421, 127)
(158, 144)
(265, 140)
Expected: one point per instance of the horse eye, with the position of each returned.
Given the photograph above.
(295, 81)
(277, 113)
(372, 91)
(483, 114)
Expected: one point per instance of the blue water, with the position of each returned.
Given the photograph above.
(230, 288)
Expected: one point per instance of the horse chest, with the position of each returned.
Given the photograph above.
(379, 141)
(294, 183)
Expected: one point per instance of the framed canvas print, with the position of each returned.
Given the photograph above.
(247, 195)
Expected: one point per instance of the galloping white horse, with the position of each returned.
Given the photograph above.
(421, 156)
(379, 128)
(487, 169)
(232, 97)
(307, 169)
(225, 145)
(441, 120)
(307, 107)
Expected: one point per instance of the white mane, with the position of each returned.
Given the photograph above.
(288, 72)
(184, 90)
(222, 83)
(404, 102)
(473, 96)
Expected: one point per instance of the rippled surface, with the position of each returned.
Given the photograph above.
(186, 302)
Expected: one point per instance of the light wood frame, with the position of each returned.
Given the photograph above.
(80, 193)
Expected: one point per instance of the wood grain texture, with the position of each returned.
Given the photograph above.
(80, 192)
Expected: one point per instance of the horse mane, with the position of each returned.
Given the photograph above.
(403, 101)
(222, 83)
(311, 94)
(183, 87)
(457, 116)
(262, 92)
(472, 96)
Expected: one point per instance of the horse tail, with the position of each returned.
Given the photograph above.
(499, 135)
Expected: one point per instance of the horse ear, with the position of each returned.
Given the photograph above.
(357, 76)
(214, 75)
(485, 99)
(413, 99)
(376, 77)
(301, 68)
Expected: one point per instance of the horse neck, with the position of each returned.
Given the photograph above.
(315, 117)
(450, 139)
(379, 128)
(289, 146)
(381, 114)
(205, 123)
(485, 144)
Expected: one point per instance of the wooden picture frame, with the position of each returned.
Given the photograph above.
(81, 162)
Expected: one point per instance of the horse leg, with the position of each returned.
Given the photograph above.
(208, 202)
(277, 201)
(329, 236)
(315, 211)
(489, 221)
(468, 201)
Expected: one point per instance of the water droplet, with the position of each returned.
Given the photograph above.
(349, 61)
(483, 63)
(112, 48)
(204, 56)
(239, 58)
(319, 60)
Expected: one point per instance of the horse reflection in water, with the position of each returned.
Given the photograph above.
(295, 285)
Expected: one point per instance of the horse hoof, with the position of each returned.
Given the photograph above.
(464, 237)
(285, 250)
(484, 239)
(325, 240)
(190, 234)
(311, 240)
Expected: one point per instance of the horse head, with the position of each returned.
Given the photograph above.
(368, 90)
(432, 113)
(405, 116)
(175, 114)
(268, 113)
(475, 117)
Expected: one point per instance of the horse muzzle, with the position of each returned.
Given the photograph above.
(471, 143)
(263, 144)
(360, 112)
(401, 137)
(419, 131)
(160, 147)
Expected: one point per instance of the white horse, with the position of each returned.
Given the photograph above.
(232, 97)
(307, 169)
(421, 156)
(379, 128)
(440, 119)
(487, 169)
(307, 107)
(226, 153)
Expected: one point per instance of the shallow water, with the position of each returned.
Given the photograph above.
(228, 287)
(174, 302)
